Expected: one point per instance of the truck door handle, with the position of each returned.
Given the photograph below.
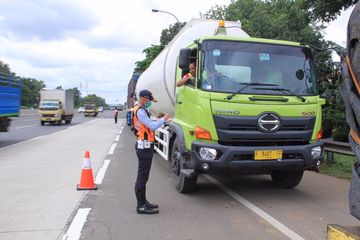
(179, 102)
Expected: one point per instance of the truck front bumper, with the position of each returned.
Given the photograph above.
(240, 159)
(49, 119)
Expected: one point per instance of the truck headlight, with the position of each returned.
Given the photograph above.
(316, 152)
(207, 153)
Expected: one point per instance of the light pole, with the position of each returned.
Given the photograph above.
(157, 10)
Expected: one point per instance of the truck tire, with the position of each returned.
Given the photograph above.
(183, 184)
(42, 123)
(68, 121)
(286, 179)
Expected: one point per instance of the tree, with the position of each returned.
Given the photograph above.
(5, 68)
(31, 92)
(153, 51)
(326, 10)
(77, 96)
(150, 54)
(168, 34)
(92, 98)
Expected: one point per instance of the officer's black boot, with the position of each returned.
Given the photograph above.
(142, 207)
(150, 205)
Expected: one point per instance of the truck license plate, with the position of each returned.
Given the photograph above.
(268, 155)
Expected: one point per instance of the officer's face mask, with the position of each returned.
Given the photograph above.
(148, 104)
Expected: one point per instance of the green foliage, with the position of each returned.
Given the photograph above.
(92, 98)
(168, 34)
(77, 96)
(4, 68)
(153, 51)
(326, 10)
(341, 168)
(216, 12)
(31, 92)
(334, 117)
(150, 55)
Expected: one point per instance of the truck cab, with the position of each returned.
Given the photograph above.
(50, 110)
(90, 109)
(56, 106)
(257, 111)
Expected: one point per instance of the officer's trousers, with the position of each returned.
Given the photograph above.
(144, 165)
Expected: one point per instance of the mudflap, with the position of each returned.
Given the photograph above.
(188, 167)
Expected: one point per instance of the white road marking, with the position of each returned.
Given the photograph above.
(117, 138)
(112, 149)
(74, 231)
(278, 225)
(29, 120)
(33, 125)
(120, 131)
(101, 173)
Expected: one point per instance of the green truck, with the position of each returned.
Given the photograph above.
(252, 108)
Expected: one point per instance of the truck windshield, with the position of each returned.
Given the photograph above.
(228, 65)
(49, 105)
(89, 107)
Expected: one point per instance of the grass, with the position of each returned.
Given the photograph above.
(341, 168)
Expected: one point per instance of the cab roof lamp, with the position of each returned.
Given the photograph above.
(220, 30)
(221, 23)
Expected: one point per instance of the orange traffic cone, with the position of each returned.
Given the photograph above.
(87, 178)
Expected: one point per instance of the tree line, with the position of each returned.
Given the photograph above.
(293, 20)
(31, 87)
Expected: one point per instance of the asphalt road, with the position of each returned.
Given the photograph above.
(27, 126)
(222, 207)
(40, 201)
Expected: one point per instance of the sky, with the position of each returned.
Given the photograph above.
(93, 45)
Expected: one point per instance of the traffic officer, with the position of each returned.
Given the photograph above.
(145, 148)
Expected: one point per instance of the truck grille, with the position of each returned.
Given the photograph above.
(244, 131)
(48, 115)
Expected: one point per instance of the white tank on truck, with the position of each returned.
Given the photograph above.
(160, 77)
(56, 106)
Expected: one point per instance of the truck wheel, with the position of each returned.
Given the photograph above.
(42, 123)
(288, 179)
(68, 121)
(182, 183)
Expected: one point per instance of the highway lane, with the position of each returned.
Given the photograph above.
(223, 207)
(39, 199)
(27, 127)
(39, 178)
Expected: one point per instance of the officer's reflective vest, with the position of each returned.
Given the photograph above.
(143, 132)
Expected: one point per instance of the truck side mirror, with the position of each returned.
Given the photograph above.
(184, 58)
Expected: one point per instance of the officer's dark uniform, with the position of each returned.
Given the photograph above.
(144, 151)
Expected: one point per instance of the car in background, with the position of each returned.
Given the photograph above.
(81, 109)
(101, 109)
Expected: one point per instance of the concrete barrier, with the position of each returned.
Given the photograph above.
(28, 112)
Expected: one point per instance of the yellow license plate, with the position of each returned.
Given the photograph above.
(268, 155)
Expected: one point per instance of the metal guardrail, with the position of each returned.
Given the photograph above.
(331, 147)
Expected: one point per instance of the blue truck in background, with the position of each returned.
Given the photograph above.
(10, 97)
